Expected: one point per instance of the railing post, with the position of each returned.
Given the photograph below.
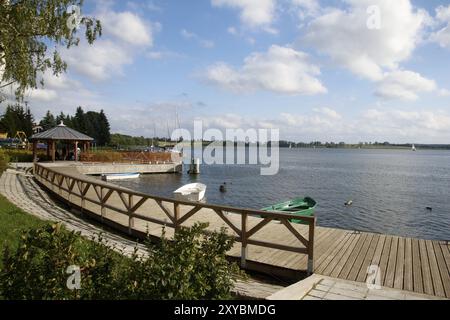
(312, 226)
(130, 218)
(244, 250)
(176, 216)
(102, 196)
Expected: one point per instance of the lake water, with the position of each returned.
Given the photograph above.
(390, 189)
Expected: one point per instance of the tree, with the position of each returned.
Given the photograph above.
(28, 29)
(48, 121)
(16, 118)
(78, 120)
(104, 134)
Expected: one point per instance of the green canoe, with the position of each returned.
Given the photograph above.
(297, 207)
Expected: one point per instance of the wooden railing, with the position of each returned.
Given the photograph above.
(79, 187)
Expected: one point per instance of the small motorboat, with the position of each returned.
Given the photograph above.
(120, 176)
(191, 192)
(297, 207)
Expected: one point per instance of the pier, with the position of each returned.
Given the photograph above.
(266, 242)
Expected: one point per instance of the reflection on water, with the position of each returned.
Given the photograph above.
(390, 189)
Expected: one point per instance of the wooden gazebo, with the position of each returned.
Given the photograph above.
(64, 134)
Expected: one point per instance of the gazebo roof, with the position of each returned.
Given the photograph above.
(61, 132)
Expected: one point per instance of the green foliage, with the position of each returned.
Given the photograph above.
(121, 140)
(13, 222)
(4, 160)
(93, 124)
(37, 269)
(27, 29)
(14, 155)
(16, 118)
(191, 266)
(48, 121)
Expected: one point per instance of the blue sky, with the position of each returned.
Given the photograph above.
(311, 68)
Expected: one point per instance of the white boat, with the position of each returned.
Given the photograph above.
(190, 192)
(120, 176)
(413, 148)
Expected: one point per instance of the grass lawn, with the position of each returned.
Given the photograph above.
(12, 222)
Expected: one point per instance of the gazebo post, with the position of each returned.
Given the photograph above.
(76, 151)
(53, 151)
(48, 149)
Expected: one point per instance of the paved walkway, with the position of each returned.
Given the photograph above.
(18, 186)
(318, 287)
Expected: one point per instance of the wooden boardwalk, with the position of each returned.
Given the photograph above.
(416, 265)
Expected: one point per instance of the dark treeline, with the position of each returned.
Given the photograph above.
(16, 118)
(94, 124)
(91, 123)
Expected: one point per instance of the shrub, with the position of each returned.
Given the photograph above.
(192, 266)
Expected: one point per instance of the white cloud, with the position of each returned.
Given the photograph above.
(306, 8)
(100, 61)
(280, 69)
(404, 85)
(125, 35)
(442, 36)
(208, 44)
(163, 54)
(421, 126)
(328, 112)
(345, 37)
(253, 13)
(128, 27)
(444, 92)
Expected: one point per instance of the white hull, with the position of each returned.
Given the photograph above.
(191, 192)
(120, 176)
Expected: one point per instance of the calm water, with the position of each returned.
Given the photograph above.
(390, 189)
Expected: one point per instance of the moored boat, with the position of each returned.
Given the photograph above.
(120, 176)
(297, 207)
(191, 192)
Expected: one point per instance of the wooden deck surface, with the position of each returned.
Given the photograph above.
(416, 265)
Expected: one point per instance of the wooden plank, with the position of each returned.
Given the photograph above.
(288, 225)
(353, 275)
(341, 259)
(426, 271)
(379, 250)
(323, 266)
(325, 236)
(385, 258)
(352, 258)
(417, 268)
(445, 275)
(434, 267)
(301, 260)
(446, 254)
(362, 275)
(390, 270)
(326, 239)
(400, 265)
(408, 281)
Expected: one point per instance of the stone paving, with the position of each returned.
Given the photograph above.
(318, 287)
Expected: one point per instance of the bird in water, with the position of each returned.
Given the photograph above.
(348, 203)
(223, 187)
(429, 208)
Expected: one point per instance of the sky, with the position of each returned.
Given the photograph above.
(350, 70)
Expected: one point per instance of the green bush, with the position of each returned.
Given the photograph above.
(4, 160)
(192, 266)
